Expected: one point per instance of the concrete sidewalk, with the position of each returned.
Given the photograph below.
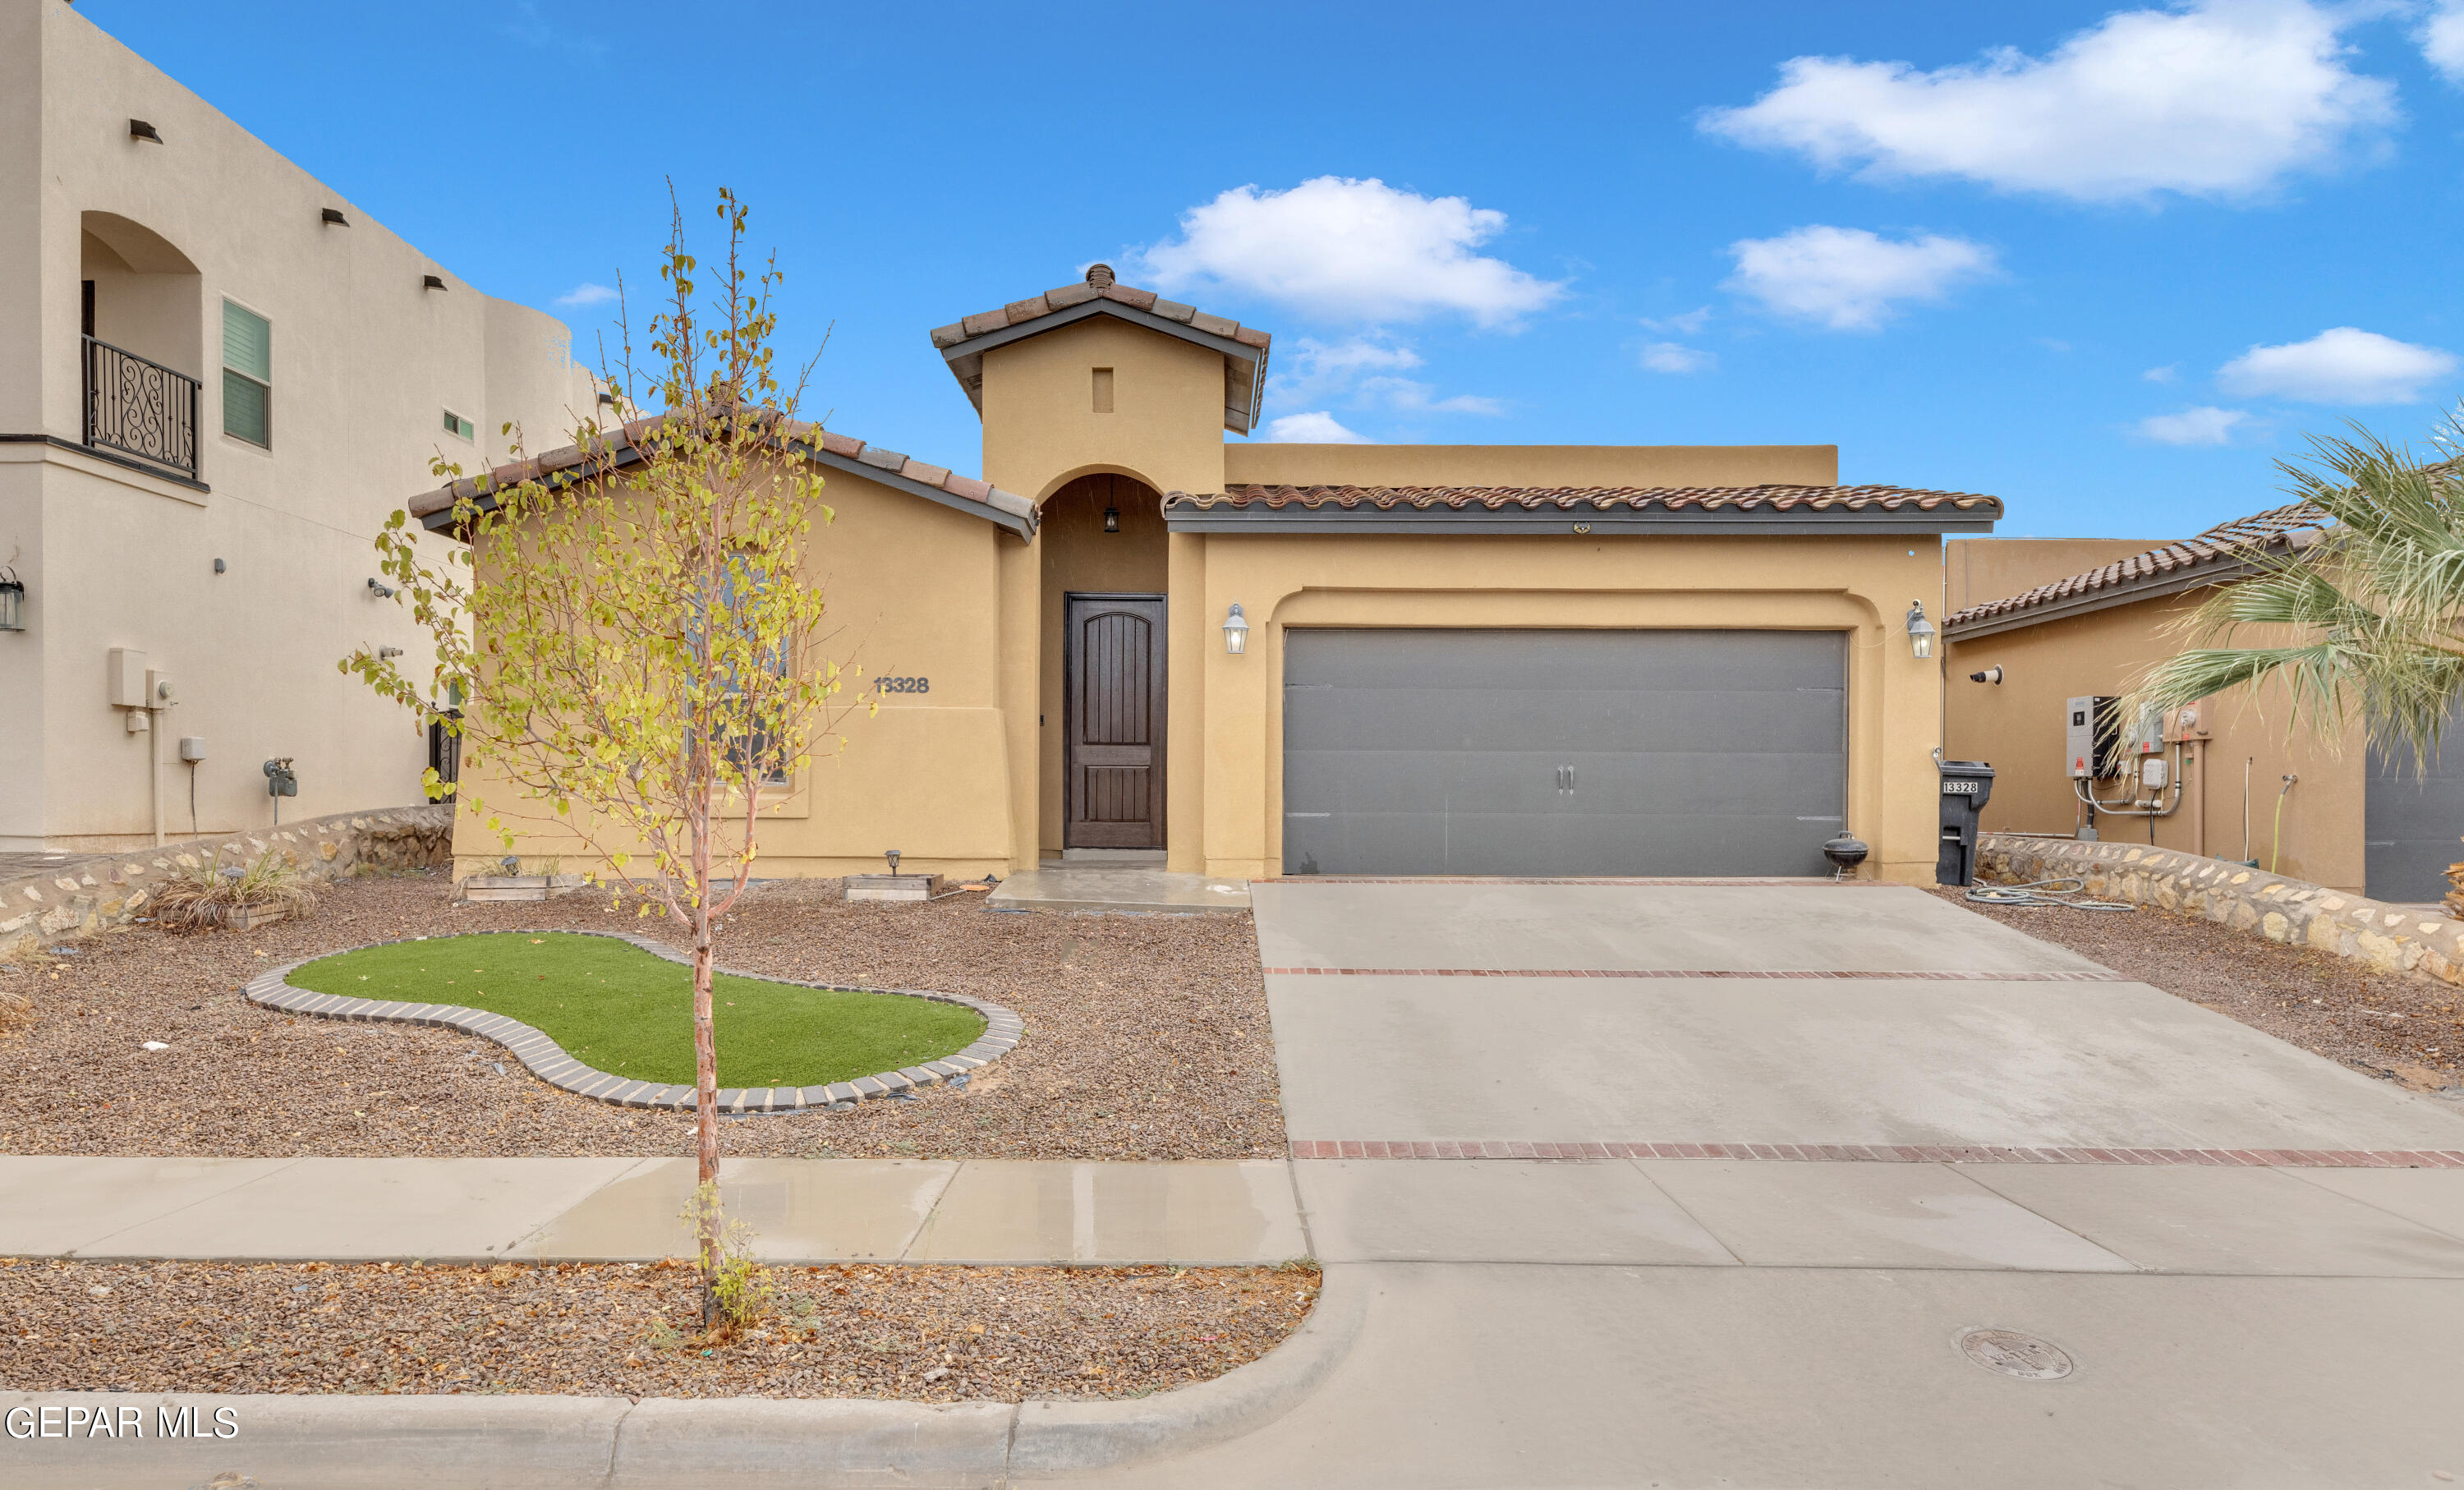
(802, 1211)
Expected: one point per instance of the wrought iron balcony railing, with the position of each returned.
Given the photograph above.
(139, 409)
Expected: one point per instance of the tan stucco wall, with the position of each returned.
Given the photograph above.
(1858, 586)
(1041, 428)
(1981, 569)
(2016, 726)
(366, 360)
(914, 589)
(1528, 465)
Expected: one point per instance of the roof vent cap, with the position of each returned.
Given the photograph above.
(1100, 275)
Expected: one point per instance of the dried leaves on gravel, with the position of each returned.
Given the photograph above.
(1147, 1038)
(933, 1334)
(2392, 1026)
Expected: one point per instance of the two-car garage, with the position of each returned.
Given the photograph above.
(1563, 752)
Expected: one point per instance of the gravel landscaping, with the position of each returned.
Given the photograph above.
(1147, 1038)
(929, 1334)
(2394, 1026)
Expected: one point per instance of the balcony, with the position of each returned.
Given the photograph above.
(139, 409)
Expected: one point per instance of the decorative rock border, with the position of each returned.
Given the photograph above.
(550, 1062)
(2388, 938)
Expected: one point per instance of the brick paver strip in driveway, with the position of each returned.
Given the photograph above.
(1874, 1154)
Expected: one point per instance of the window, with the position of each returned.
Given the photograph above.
(460, 427)
(1103, 390)
(248, 376)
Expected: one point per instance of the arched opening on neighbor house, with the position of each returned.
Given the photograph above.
(143, 347)
(1102, 739)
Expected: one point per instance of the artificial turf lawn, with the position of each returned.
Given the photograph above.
(614, 1006)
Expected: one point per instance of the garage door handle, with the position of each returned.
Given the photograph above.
(1565, 778)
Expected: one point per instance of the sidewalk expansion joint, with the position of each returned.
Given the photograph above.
(552, 1064)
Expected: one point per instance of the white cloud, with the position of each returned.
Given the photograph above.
(587, 295)
(1318, 428)
(2194, 426)
(1691, 323)
(1353, 251)
(1670, 357)
(2341, 366)
(2165, 374)
(1364, 371)
(2442, 39)
(1850, 279)
(2217, 98)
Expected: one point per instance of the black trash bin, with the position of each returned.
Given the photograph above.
(1965, 787)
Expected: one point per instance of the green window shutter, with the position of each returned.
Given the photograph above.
(247, 343)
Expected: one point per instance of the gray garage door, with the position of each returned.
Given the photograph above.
(2411, 821)
(1562, 753)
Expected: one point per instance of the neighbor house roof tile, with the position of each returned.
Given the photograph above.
(2226, 546)
(1589, 499)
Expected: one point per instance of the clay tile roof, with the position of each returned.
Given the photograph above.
(963, 342)
(1741, 507)
(2218, 554)
(435, 509)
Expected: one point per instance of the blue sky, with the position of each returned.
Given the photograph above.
(2108, 265)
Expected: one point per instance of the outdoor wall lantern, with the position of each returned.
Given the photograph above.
(1111, 519)
(12, 602)
(1921, 633)
(1235, 631)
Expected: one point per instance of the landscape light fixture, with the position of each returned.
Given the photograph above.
(1111, 519)
(334, 218)
(12, 602)
(1235, 631)
(432, 282)
(1921, 633)
(139, 129)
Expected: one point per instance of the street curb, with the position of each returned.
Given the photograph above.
(515, 1442)
(550, 1062)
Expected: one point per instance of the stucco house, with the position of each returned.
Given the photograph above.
(2232, 779)
(217, 377)
(1134, 637)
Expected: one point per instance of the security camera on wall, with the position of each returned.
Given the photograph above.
(1992, 674)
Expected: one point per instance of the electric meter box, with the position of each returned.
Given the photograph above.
(2092, 736)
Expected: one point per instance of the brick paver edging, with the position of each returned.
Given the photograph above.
(1879, 1154)
(549, 1062)
(2099, 975)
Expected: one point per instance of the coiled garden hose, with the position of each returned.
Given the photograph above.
(2043, 892)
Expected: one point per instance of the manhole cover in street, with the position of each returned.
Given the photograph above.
(2015, 1354)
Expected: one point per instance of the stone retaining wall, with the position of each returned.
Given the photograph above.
(88, 892)
(2389, 939)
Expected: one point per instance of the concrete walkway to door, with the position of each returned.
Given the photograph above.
(2281, 1311)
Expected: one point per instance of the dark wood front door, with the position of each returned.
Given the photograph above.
(1112, 671)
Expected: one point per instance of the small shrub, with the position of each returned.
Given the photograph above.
(205, 896)
(741, 1290)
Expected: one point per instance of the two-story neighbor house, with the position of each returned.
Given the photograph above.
(217, 377)
(1132, 634)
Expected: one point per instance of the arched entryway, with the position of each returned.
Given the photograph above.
(1104, 548)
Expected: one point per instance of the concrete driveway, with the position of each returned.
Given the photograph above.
(1773, 1318)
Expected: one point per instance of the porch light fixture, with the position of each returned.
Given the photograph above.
(139, 129)
(1235, 631)
(1921, 633)
(12, 602)
(334, 218)
(1111, 519)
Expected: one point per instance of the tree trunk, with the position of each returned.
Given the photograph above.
(706, 1114)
